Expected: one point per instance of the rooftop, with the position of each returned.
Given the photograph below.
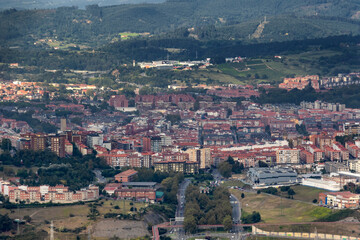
(137, 184)
(126, 173)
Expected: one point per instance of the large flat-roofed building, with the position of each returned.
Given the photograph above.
(321, 183)
(272, 176)
(141, 185)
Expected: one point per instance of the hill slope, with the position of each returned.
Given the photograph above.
(99, 24)
(279, 28)
(43, 4)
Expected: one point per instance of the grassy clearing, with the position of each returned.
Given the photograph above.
(260, 70)
(70, 217)
(124, 206)
(312, 54)
(270, 70)
(306, 194)
(215, 75)
(129, 34)
(39, 215)
(239, 176)
(274, 209)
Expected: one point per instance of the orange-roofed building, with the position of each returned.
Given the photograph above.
(126, 176)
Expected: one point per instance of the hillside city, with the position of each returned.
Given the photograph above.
(179, 120)
(313, 144)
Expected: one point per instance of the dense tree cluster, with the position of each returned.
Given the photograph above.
(6, 223)
(149, 175)
(171, 187)
(75, 172)
(274, 191)
(201, 208)
(348, 95)
(301, 129)
(346, 138)
(269, 190)
(33, 122)
(352, 188)
(254, 217)
(173, 118)
(226, 168)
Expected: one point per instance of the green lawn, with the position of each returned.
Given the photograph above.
(274, 209)
(266, 70)
(216, 75)
(306, 194)
(274, 70)
(310, 55)
(124, 205)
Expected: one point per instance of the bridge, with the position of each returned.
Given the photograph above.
(179, 219)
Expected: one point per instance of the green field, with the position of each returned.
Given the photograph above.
(60, 212)
(69, 217)
(262, 70)
(235, 183)
(306, 194)
(271, 70)
(274, 209)
(215, 76)
(124, 205)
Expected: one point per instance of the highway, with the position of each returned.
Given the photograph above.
(236, 215)
(180, 210)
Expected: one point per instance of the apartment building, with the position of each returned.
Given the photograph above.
(287, 156)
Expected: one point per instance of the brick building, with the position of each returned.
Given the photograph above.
(126, 176)
(118, 101)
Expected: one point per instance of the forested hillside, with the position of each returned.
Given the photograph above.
(199, 19)
(42, 4)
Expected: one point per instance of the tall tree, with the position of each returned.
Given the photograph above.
(6, 144)
(227, 222)
(190, 224)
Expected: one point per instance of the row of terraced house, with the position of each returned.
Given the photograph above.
(46, 193)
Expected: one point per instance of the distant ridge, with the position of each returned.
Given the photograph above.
(207, 19)
(47, 4)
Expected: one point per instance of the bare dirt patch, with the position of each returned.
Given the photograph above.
(120, 228)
